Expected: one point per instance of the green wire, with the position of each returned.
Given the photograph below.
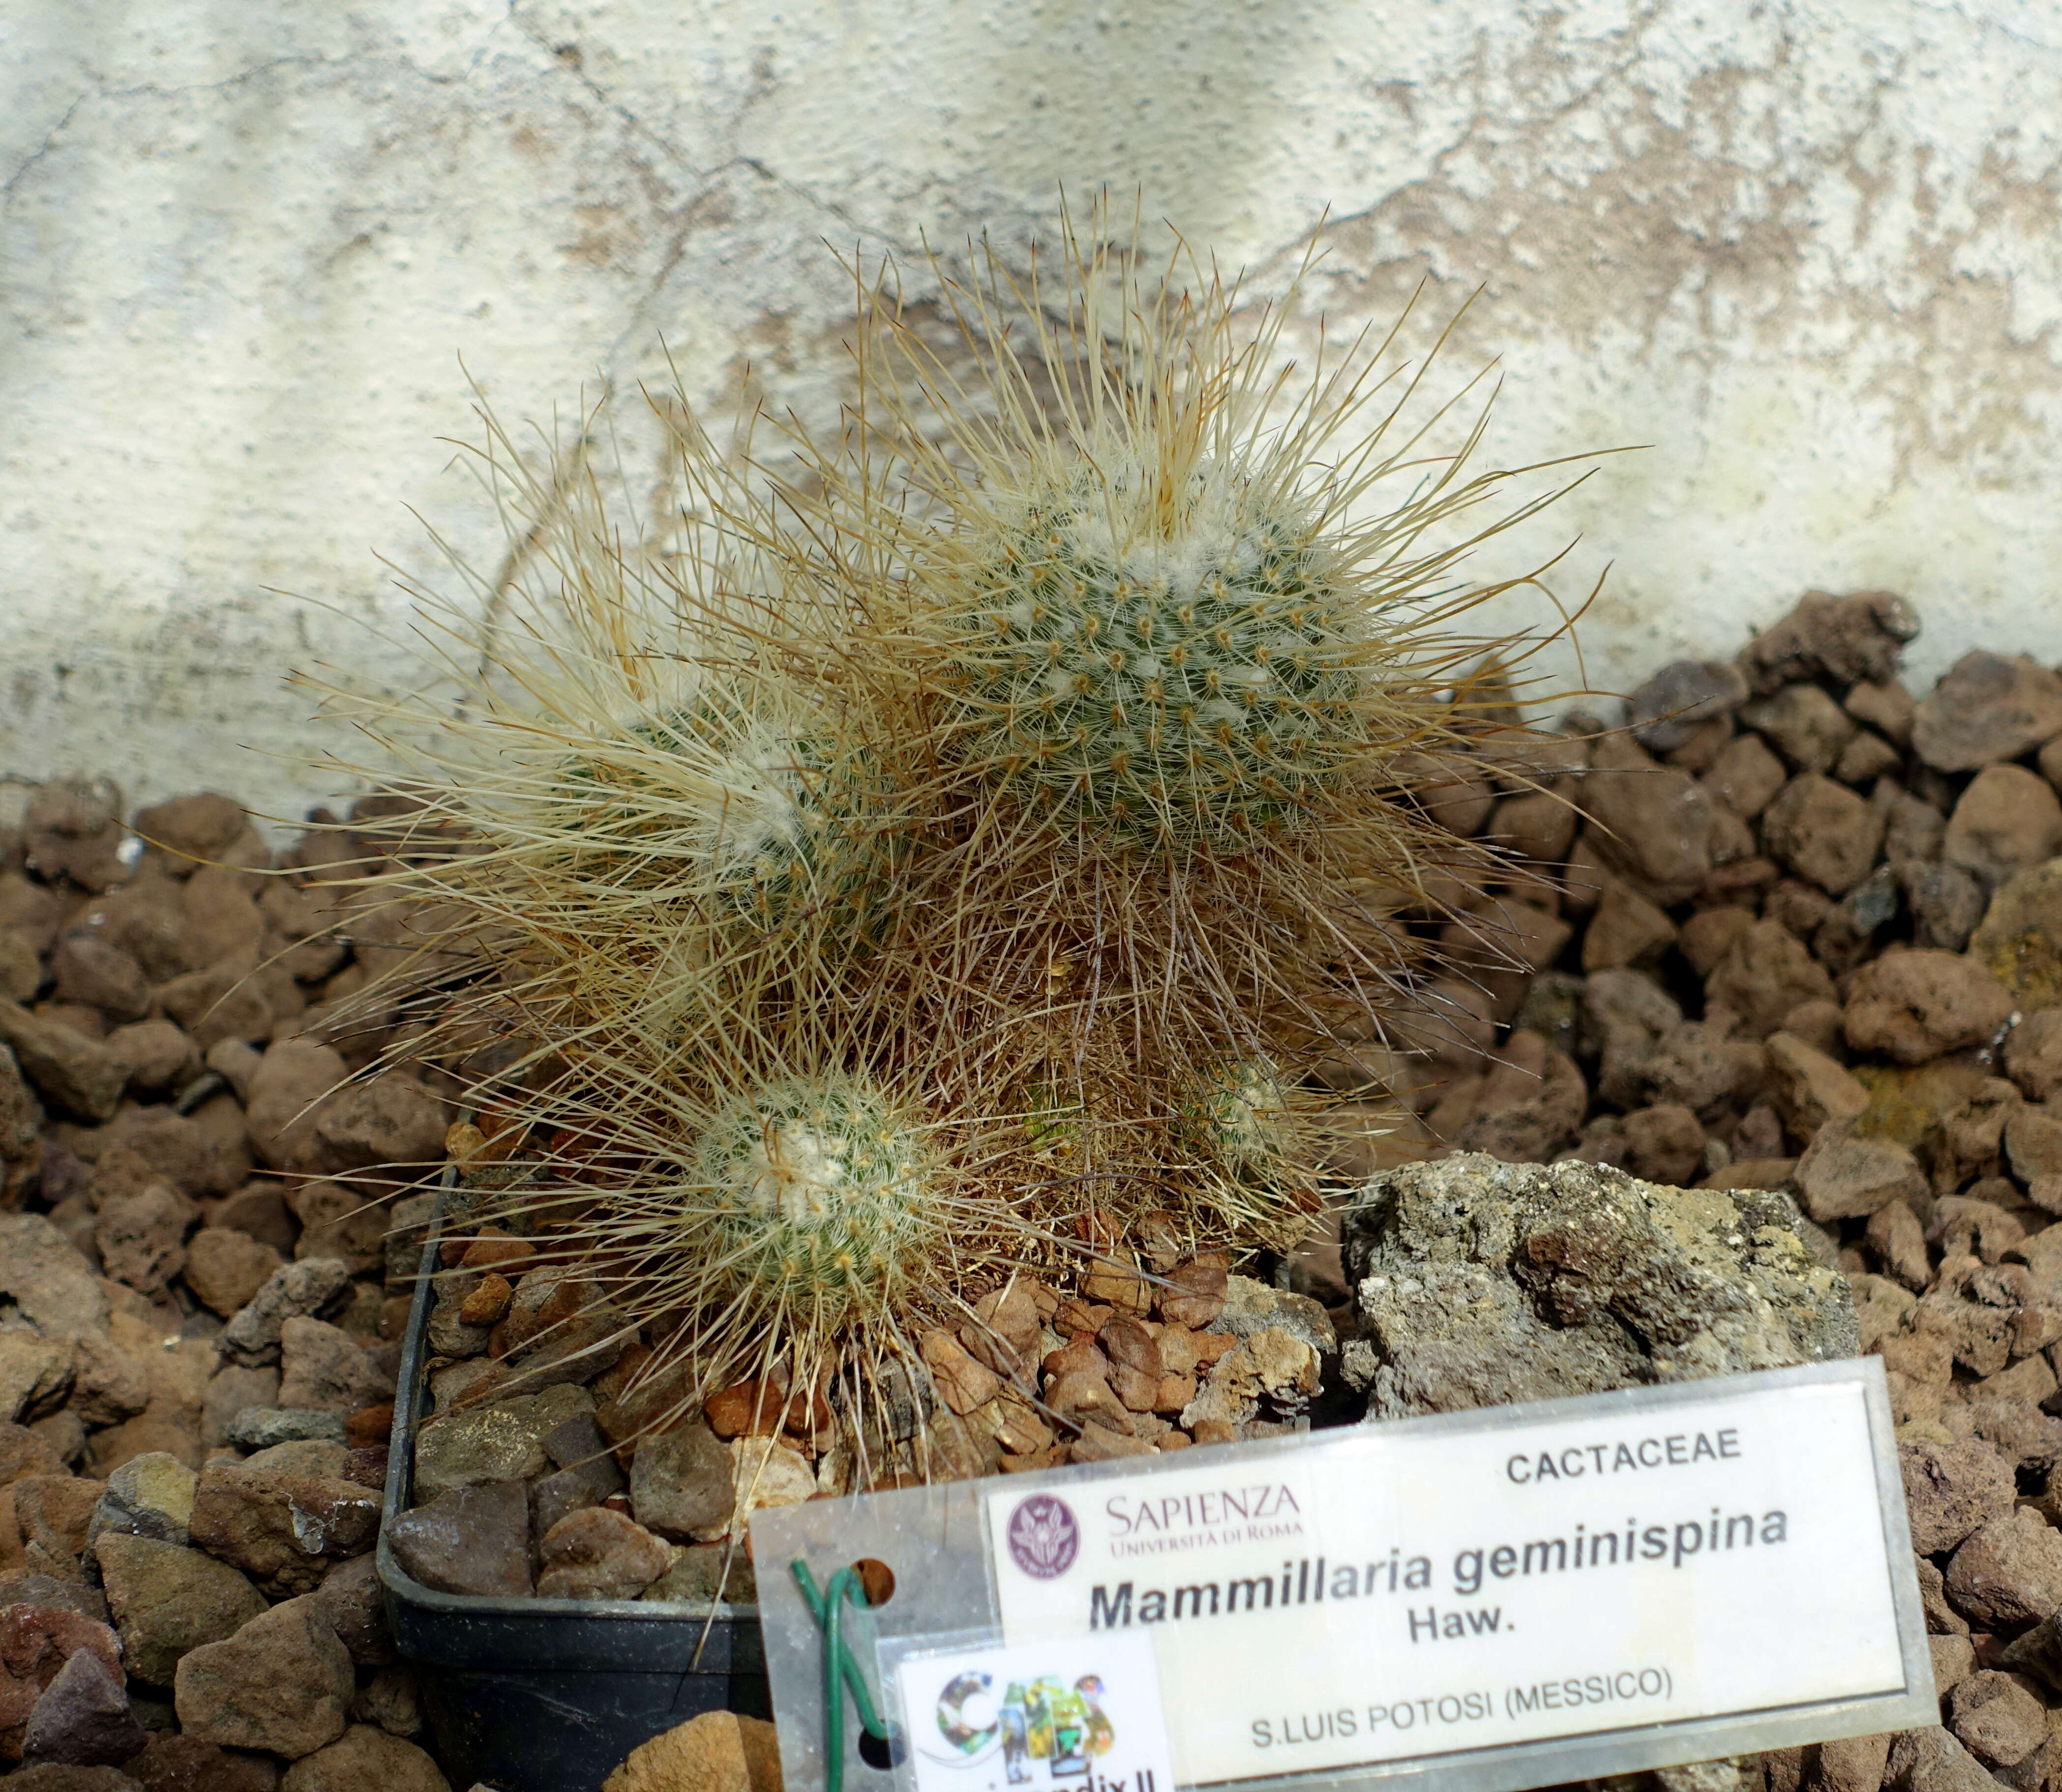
(840, 1666)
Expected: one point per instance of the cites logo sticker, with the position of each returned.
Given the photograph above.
(1078, 1713)
(1044, 1535)
(1039, 1719)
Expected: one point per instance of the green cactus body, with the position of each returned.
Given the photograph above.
(765, 820)
(1192, 686)
(818, 1194)
(1237, 1116)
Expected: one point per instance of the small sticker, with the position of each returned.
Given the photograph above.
(1079, 1712)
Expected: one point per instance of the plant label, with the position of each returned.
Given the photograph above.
(1502, 1598)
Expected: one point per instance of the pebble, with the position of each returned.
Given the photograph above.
(167, 1599)
(683, 1483)
(502, 1442)
(83, 1718)
(595, 1553)
(2007, 1574)
(1913, 1006)
(283, 1682)
(304, 1289)
(366, 1759)
(1986, 709)
(470, 1540)
(260, 1428)
(284, 1531)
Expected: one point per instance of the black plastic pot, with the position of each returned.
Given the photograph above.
(548, 1695)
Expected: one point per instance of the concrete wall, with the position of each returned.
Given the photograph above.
(1809, 252)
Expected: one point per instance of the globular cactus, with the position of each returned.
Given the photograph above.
(819, 1195)
(1159, 656)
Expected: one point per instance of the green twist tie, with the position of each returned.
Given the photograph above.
(841, 1671)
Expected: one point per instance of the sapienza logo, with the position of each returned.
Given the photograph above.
(1040, 1719)
(1044, 1535)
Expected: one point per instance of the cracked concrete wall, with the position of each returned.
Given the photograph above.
(1808, 253)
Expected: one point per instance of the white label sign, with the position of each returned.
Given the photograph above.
(1078, 1712)
(1382, 1596)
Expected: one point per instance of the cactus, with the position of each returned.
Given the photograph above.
(979, 844)
(1192, 680)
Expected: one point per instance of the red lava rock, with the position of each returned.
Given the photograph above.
(1805, 726)
(1767, 973)
(1657, 822)
(595, 1553)
(1911, 1006)
(1841, 639)
(2008, 819)
(2007, 1574)
(1997, 1719)
(282, 1683)
(1824, 831)
(1987, 709)
(472, 1539)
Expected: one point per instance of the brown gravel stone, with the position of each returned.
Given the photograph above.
(1911, 1006)
(73, 1072)
(1931, 1760)
(1664, 1144)
(284, 1531)
(1808, 1089)
(282, 1683)
(1767, 973)
(2008, 1573)
(1842, 1177)
(595, 1553)
(1986, 709)
(2019, 940)
(159, 1058)
(1626, 929)
(1707, 936)
(1668, 710)
(173, 1762)
(1194, 1293)
(1951, 1490)
(1946, 902)
(1996, 1718)
(1823, 831)
(1839, 638)
(1654, 825)
(1744, 777)
(90, 970)
(2033, 1054)
(477, 1540)
(2008, 820)
(718, 1751)
(1804, 724)
(1887, 706)
(1004, 1332)
(1896, 1237)
(224, 1267)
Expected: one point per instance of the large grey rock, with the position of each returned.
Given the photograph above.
(1481, 1283)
